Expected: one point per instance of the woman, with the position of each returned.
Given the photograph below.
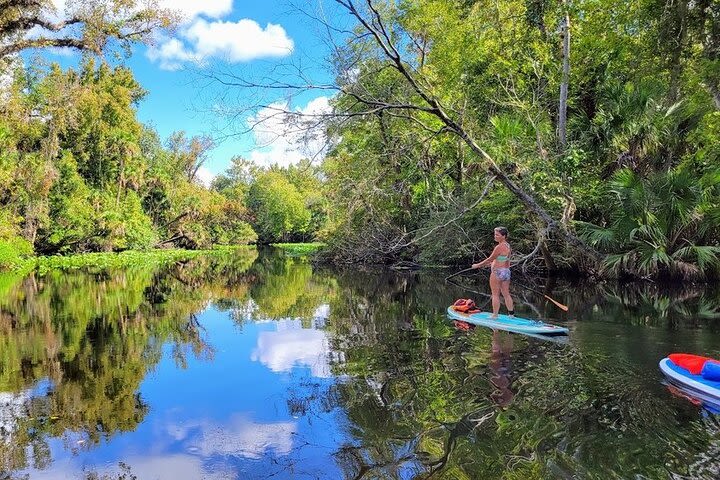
(499, 261)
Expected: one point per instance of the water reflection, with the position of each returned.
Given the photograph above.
(250, 366)
(500, 366)
(292, 346)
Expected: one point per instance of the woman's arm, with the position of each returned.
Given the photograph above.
(495, 253)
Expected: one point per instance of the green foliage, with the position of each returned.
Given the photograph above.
(96, 27)
(706, 143)
(300, 249)
(122, 224)
(278, 207)
(401, 187)
(79, 173)
(71, 208)
(14, 253)
(95, 336)
(666, 224)
(104, 261)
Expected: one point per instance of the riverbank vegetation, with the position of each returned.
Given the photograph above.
(300, 249)
(588, 128)
(80, 173)
(591, 129)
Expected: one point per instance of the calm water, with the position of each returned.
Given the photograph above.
(266, 367)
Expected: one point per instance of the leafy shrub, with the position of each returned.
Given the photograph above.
(14, 252)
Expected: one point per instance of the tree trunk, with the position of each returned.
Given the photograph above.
(553, 226)
(678, 33)
(547, 257)
(715, 92)
(562, 110)
(675, 73)
(459, 167)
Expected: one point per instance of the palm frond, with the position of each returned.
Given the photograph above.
(673, 108)
(621, 263)
(708, 310)
(706, 256)
(597, 236)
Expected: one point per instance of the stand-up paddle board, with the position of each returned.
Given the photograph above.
(509, 324)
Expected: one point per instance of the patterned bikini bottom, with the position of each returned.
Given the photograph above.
(503, 274)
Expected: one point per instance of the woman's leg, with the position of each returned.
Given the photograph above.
(495, 291)
(505, 289)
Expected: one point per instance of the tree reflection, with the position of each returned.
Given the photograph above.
(74, 347)
(287, 287)
(417, 397)
(428, 400)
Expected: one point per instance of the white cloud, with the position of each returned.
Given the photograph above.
(176, 466)
(237, 435)
(286, 138)
(240, 41)
(200, 441)
(13, 409)
(205, 176)
(293, 346)
(242, 437)
(171, 54)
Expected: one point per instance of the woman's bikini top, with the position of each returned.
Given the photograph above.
(504, 258)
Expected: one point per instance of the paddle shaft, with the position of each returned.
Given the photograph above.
(460, 272)
(557, 304)
(562, 307)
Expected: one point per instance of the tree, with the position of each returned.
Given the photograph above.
(87, 25)
(278, 208)
(666, 225)
(564, 85)
(79, 172)
(189, 154)
(386, 45)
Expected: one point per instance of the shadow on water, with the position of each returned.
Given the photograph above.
(357, 375)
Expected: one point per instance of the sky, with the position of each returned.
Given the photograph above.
(249, 37)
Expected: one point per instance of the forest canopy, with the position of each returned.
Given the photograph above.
(589, 128)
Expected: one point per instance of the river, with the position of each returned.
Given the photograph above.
(261, 365)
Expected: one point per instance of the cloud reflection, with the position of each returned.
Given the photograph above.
(189, 450)
(176, 467)
(291, 346)
(238, 437)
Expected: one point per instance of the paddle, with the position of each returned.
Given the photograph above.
(458, 273)
(562, 307)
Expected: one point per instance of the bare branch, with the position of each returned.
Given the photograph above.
(415, 240)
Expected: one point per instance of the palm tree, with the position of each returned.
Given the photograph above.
(633, 128)
(666, 225)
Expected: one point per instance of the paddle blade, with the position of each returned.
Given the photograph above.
(562, 307)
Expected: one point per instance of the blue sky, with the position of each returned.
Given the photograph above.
(247, 36)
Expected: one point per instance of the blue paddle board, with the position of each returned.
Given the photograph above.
(705, 390)
(509, 324)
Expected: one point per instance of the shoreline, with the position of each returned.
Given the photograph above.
(129, 258)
